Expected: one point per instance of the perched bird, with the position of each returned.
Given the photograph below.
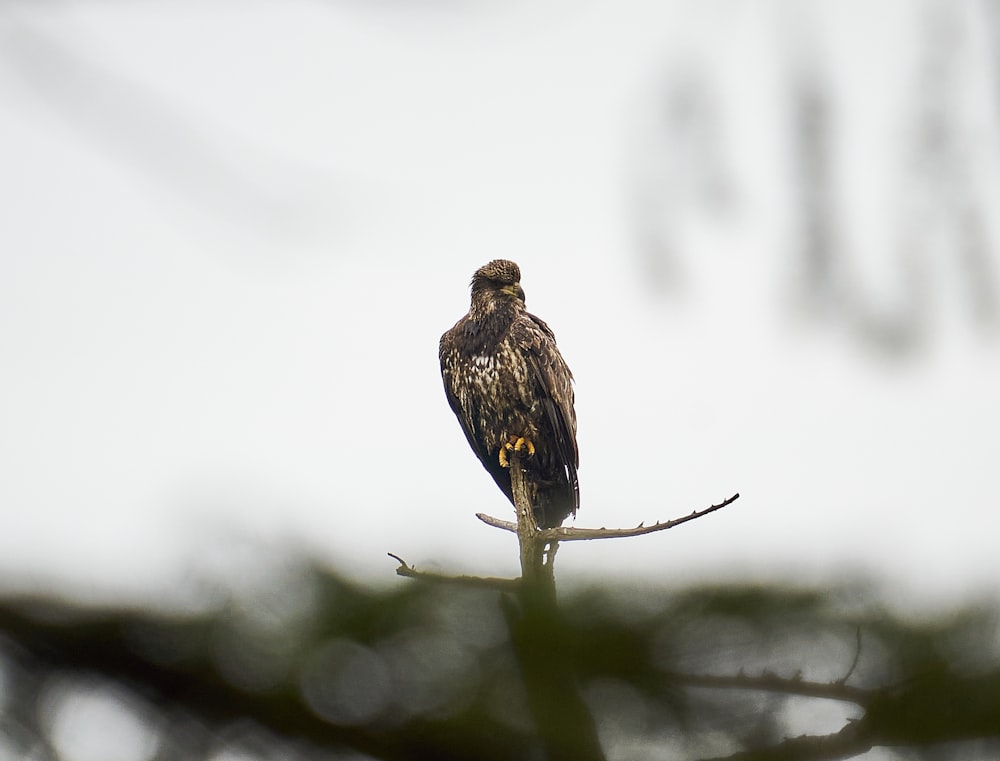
(512, 392)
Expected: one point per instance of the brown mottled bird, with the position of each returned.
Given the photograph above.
(512, 391)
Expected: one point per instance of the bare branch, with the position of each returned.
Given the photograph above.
(489, 520)
(488, 582)
(569, 534)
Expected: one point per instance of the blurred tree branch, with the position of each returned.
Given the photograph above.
(945, 684)
(768, 682)
(843, 744)
(101, 644)
(927, 710)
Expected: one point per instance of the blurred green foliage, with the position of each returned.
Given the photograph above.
(315, 665)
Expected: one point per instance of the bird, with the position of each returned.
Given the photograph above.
(512, 391)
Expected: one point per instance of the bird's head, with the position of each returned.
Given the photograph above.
(500, 278)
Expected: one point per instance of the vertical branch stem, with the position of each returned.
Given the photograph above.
(542, 644)
(534, 572)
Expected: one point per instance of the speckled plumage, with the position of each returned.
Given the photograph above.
(505, 379)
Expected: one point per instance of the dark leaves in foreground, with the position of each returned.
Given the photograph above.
(320, 667)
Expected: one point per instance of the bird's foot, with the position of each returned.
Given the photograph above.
(524, 444)
(517, 444)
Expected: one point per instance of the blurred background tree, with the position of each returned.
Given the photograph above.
(316, 666)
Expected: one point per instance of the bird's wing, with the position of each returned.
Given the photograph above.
(465, 409)
(554, 379)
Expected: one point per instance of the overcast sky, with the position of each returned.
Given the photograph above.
(232, 234)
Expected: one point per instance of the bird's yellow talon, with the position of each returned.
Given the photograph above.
(523, 443)
(517, 444)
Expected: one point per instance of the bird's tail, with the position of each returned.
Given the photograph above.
(553, 503)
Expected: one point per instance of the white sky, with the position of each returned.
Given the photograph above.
(232, 233)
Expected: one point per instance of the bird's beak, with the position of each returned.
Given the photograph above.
(514, 290)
